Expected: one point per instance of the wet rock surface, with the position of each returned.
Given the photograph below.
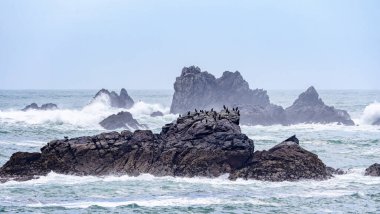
(309, 108)
(117, 101)
(121, 120)
(201, 143)
(373, 170)
(44, 107)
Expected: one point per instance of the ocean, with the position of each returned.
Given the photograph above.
(352, 148)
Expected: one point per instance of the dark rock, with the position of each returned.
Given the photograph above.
(117, 101)
(286, 161)
(262, 115)
(157, 114)
(120, 120)
(373, 170)
(34, 106)
(333, 171)
(204, 143)
(377, 122)
(309, 108)
(293, 139)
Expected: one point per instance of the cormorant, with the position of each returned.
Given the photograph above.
(66, 138)
(238, 113)
(224, 107)
(212, 109)
(237, 108)
(188, 113)
(233, 109)
(196, 110)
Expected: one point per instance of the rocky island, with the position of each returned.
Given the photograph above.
(197, 89)
(200, 143)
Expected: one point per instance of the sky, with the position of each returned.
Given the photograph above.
(144, 44)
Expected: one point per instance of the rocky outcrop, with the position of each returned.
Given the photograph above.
(44, 107)
(157, 114)
(203, 143)
(201, 90)
(121, 120)
(373, 170)
(117, 101)
(309, 108)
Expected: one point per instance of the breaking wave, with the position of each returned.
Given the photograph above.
(371, 113)
(87, 117)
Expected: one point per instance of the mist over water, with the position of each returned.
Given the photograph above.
(352, 148)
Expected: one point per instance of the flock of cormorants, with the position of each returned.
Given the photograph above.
(212, 113)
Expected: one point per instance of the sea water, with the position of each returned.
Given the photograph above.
(352, 148)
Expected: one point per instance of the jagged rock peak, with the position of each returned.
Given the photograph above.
(190, 70)
(310, 96)
(117, 101)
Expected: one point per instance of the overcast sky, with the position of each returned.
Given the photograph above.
(138, 44)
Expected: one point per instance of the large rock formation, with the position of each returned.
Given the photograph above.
(44, 107)
(203, 143)
(200, 90)
(117, 101)
(309, 108)
(121, 120)
(373, 170)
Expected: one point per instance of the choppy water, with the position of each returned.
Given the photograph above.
(353, 148)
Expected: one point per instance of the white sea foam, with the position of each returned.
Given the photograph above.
(370, 114)
(87, 117)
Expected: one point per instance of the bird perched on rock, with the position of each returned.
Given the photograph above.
(212, 109)
(66, 138)
(224, 107)
(238, 112)
(188, 113)
(196, 110)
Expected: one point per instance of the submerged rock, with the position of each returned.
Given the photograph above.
(157, 114)
(117, 101)
(44, 107)
(202, 143)
(336, 171)
(121, 120)
(309, 108)
(373, 170)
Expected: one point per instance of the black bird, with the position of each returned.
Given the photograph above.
(219, 117)
(227, 111)
(224, 107)
(66, 138)
(233, 109)
(212, 109)
(188, 113)
(201, 111)
(179, 115)
(237, 108)
(196, 110)
(206, 120)
(238, 113)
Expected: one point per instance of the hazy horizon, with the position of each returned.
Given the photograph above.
(275, 45)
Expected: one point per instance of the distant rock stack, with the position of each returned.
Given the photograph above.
(44, 107)
(309, 108)
(117, 101)
(197, 89)
(201, 90)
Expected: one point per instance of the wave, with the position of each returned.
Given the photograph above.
(371, 113)
(87, 117)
